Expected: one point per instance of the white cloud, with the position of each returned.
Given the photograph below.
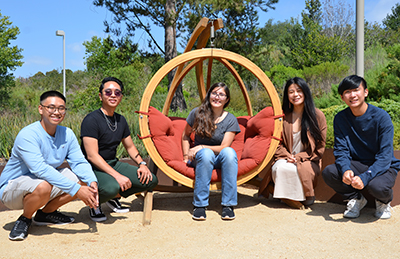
(76, 47)
(76, 64)
(37, 60)
(376, 11)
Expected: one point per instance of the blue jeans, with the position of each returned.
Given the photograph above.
(204, 164)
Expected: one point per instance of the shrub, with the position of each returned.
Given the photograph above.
(321, 77)
(280, 74)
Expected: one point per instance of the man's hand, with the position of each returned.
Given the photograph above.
(89, 195)
(123, 181)
(354, 181)
(144, 174)
(348, 177)
(357, 183)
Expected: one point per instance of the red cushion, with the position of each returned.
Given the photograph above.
(238, 141)
(162, 132)
(258, 135)
(251, 144)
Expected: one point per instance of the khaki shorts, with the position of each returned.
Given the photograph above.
(17, 189)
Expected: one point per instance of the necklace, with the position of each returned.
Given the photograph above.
(218, 119)
(112, 127)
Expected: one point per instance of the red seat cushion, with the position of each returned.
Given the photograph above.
(251, 144)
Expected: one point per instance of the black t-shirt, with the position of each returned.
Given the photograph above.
(94, 125)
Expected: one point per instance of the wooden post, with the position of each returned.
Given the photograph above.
(147, 207)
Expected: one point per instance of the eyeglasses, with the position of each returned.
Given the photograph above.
(220, 95)
(53, 109)
(109, 92)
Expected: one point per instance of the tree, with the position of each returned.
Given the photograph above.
(313, 16)
(337, 18)
(162, 13)
(103, 55)
(239, 34)
(308, 45)
(10, 57)
(392, 21)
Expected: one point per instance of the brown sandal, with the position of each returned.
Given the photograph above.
(294, 204)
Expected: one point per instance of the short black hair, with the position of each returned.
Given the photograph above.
(113, 79)
(351, 82)
(52, 93)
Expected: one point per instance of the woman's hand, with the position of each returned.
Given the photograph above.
(192, 152)
(292, 159)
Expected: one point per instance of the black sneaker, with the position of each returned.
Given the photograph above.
(227, 213)
(20, 230)
(55, 217)
(199, 213)
(116, 206)
(97, 214)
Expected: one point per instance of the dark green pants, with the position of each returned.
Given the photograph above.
(109, 187)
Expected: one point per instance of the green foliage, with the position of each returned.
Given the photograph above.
(313, 15)
(392, 21)
(280, 74)
(10, 57)
(388, 83)
(329, 99)
(103, 55)
(311, 48)
(321, 77)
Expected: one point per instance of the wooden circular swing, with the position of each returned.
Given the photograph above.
(194, 59)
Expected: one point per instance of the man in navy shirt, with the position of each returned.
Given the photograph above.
(363, 151)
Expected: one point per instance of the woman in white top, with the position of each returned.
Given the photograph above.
(298, 157)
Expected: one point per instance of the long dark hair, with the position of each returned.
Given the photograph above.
(309, 120)
(204, 125)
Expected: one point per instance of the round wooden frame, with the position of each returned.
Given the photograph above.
(196, 57)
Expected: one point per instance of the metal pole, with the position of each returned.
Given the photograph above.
(62, 33)
(360, 38)
(64, 65)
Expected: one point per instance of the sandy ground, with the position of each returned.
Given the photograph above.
(263, 228)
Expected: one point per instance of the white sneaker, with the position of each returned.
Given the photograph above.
(116, 206)
(383, 210)
(354, 206)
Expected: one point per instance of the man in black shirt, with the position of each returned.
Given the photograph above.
(101, 132)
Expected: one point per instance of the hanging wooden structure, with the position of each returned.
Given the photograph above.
(195, 59)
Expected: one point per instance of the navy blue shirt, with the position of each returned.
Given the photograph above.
(368, 139)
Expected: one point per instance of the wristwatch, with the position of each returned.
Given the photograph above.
(142, 163)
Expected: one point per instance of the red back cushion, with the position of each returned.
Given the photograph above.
(251, 144)
(163, 135)
(258, 135)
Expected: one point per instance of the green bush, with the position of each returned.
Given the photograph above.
(280, 74)
(388, 81)
(321, 77)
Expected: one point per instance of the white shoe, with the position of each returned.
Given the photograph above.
(354, 206)
(383, 210)
(116, 206)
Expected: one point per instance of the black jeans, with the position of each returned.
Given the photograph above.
(380, 187)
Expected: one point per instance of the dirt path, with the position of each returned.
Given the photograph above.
(262, 229)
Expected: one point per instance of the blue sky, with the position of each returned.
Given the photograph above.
(81, 20)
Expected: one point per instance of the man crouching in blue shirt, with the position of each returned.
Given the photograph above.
(363, 151)
(31, 179)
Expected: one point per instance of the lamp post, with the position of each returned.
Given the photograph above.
(62, 33)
